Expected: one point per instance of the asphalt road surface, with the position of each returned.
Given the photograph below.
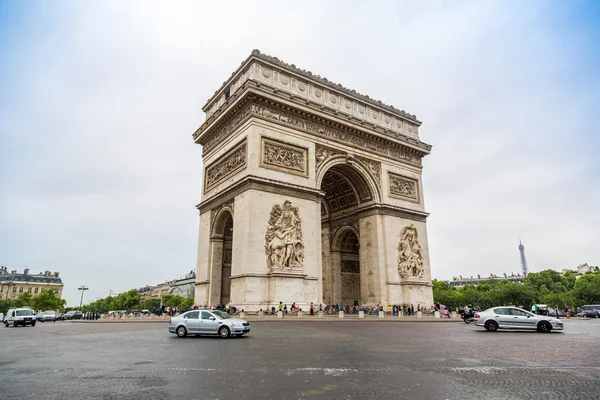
(300, 360)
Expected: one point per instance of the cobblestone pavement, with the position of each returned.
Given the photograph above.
(300, 360)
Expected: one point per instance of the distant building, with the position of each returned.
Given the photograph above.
(155, 292)
(184, 286)
(13, 284)
(581, 269)
(460, 281)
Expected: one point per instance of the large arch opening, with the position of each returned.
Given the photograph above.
(222, 251)
(347, 190)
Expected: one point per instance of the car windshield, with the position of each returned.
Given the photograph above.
(221, 314)
(24, 312)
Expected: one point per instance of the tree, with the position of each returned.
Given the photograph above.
(47, 300)
(587, 289)
(24, 300)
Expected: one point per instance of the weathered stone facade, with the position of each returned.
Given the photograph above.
(312, 193)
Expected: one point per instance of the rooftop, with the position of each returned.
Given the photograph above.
(256, 54)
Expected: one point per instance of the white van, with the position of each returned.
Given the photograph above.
(19, 316)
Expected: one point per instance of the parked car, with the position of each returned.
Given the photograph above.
(208, 322)
(496, 318)
(39, 317)
(59, 317)
(49, 315)
(73, 315)
(19, 316)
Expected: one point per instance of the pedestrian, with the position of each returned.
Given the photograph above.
(312, 309)
(280, 306)
(412, 309)
(389, 311)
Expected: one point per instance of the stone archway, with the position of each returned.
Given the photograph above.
(222, 254)
(348, 190)
(298, 155)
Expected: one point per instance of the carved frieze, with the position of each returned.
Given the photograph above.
(323, 154)
(345, 137)
(284, 244)
(410, 257)
(403, 187)
(283, 156)
(226, 166)
(219, 134)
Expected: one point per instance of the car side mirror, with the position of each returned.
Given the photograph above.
(211, 318)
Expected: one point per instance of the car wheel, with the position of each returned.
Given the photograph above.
(544, 327)
(224, 332)
(491, 326)
(181, 331)
(6, 324)
(33, 323)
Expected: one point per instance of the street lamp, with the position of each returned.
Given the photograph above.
(82, 288)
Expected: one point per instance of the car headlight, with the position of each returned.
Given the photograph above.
(236, 324)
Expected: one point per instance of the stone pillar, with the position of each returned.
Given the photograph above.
(381, 314)
(279, 314)
(242, 315)
(261, 314)
(361, 314)
(436, 315)
(400, 314)
(320, 314)
(300, 314)
(453, 315)
(336, 277)
(216, 266)
(372, 268)
(419, 314)
(341, 314)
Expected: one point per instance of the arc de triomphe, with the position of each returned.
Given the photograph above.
(311, 193)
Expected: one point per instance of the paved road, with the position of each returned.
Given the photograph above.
(300, 360)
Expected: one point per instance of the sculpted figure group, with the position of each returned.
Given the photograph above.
(410, 259)
(284, 244)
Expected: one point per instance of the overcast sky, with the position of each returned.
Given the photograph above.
(99, 176)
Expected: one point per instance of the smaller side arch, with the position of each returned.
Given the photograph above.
(336, 242)
(220, 222)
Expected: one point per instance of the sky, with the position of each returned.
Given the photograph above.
(99, 175)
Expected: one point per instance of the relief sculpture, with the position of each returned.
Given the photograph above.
(283, 156)
(403, 187)
(410, 258)
(284, 244)
(228, 166)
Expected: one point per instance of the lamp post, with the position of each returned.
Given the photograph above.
(82, 288)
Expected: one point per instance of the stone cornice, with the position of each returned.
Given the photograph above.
(379, 209)
(257, 183)
(254, 104)
(291, 68)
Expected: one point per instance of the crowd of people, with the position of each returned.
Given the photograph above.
(390, 310)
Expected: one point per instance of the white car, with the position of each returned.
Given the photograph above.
(19, 316)
(208, 322)
(496, 318)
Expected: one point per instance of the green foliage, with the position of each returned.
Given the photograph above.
(130, 300)
(24, 300)
(47, 300)
(545, 287)
(587, 289)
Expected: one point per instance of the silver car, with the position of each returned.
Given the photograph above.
(496, 318)
(208, 322)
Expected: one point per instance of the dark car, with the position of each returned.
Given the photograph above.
(72, 315)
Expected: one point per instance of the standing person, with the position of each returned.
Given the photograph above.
(312, 309)
(389, 313)
(280, 306)
(412, 309)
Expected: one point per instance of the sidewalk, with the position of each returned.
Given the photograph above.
(291, 318)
